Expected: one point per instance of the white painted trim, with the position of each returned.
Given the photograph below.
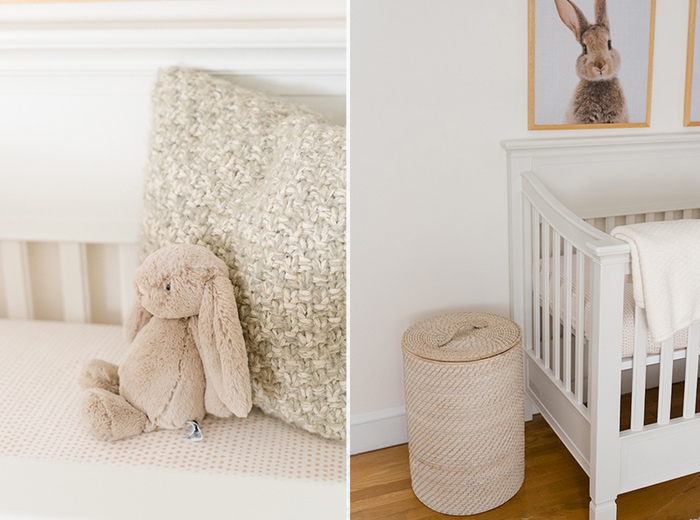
(72, 490)
(190, 12)
(598, 145)
(98, 231)
(212, 37)
(384, 428)
(4, 516)
(267, 37)
(290, 58)
(379, 429)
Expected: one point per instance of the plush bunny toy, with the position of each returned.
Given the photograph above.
(187, 356)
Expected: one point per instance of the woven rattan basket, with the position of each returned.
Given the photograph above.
(463, 382)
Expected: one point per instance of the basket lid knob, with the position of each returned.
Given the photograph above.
(460, 337)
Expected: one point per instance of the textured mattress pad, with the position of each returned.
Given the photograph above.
(39, 411)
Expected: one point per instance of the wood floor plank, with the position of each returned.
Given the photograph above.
(555, 488)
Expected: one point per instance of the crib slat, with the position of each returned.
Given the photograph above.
(74, 281)
(546, 256)
(15, 266)
(528, 311)
(639, 369)
(536, 256)
(128, 263)
(556, 304)
(665, 382)
(610, 223)
(568, 290)
(691, 371)
(687, 213)
(580, 326)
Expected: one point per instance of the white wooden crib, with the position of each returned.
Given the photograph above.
(566, 195)
(75, 84)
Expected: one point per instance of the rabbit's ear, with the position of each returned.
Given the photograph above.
(222, 347)
(601, 14)
(572, 17)
(135, 320)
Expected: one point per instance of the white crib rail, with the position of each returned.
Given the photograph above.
(18, 288)
(74, 275)
(554, 233)
(15, 267)
(574, 363)
(560, 244)
(571, 380)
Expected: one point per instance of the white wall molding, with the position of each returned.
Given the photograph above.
(181, 12)
(252, 52)
(269, 38)
(377, 430)
(210, 37)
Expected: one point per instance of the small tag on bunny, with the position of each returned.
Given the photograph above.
(195, 432)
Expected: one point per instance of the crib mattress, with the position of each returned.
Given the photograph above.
(680, 339)
(51, 463)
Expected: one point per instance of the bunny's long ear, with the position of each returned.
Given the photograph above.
(222, 347)
(601, 13)
(135, 320)
(572, 17)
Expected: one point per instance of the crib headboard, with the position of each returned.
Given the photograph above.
(598, 177)
(75, 83)
(606, 175)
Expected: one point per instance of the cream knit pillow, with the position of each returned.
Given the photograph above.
(262, 183)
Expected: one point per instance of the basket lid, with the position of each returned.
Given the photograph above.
(464, 336)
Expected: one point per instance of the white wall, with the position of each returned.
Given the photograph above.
(434, 88)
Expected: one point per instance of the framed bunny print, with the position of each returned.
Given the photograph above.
(691, 114)
(590, 63)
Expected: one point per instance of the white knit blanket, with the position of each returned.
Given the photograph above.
(665, 272)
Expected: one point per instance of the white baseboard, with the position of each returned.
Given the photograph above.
(376, 430)
(530, 408)
(385, 428)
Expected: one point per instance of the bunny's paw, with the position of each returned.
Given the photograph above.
(97, 373)
(110, 417)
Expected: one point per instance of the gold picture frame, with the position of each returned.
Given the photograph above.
(558, 57)
(691, 112)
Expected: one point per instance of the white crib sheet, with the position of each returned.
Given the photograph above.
(42, 433)
(680, 339)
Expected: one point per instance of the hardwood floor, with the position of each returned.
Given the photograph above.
(555, 488)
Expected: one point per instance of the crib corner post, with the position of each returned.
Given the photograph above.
(530, 409)
(603, 511)
(605, 381)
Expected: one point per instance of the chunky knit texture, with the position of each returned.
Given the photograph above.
(261, 182)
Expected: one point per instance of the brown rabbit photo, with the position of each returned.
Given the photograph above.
(599, 97)
(590, 62)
